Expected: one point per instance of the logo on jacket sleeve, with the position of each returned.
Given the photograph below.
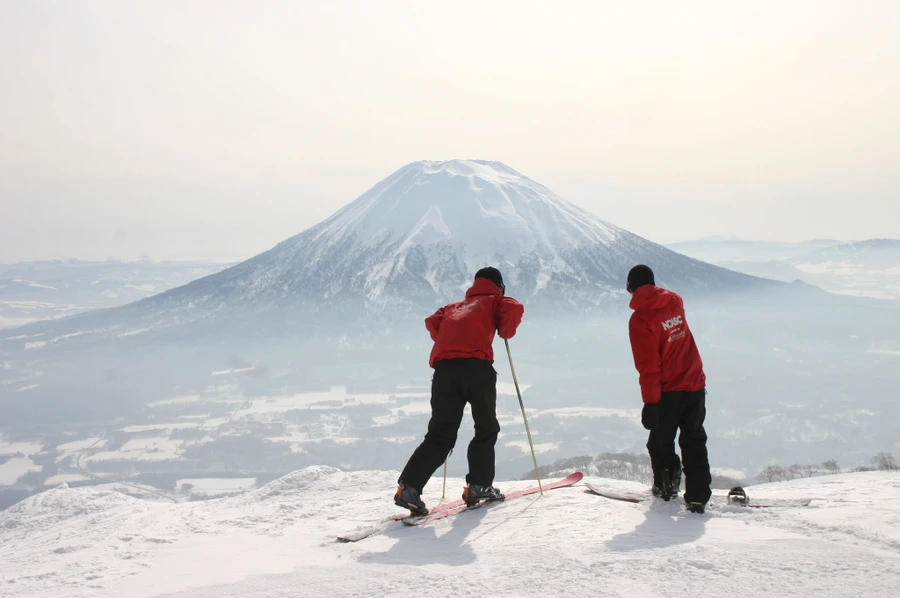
(672, 322)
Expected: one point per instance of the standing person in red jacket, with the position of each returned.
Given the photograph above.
(462, 359)
(673, 387)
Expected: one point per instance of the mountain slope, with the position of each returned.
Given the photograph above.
(415, 240)
(279, 541)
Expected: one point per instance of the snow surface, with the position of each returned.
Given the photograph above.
(142, 449)
(279, 541)
(215, 486)
(26, 448)
(13, 469)
(65, 478)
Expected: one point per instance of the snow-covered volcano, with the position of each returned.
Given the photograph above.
(432, 224)
(414, 241)
(419, 235)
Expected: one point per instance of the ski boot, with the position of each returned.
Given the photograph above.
(695, 507)
(671, 483)
(473, 494)
(408, 498)
(737, 496)
(660, 493)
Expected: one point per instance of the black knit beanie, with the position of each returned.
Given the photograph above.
(639, 276)
(492, 274)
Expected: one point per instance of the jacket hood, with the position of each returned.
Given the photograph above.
(652, 297)
(483, 286)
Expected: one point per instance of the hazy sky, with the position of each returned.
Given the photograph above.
(215, 129)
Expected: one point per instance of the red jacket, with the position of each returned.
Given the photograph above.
(665, 354)
(466, 328)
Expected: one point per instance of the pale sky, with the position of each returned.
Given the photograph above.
(216, 129)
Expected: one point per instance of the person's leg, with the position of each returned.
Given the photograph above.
(482, 395)
(661, 446)
(692, 440)
(447, 406)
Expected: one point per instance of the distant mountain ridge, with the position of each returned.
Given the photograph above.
(869, 268)
(49, 289)
(719, 249)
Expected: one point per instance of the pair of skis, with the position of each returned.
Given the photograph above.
(452, 508)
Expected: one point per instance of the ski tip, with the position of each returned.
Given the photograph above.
(575, 477)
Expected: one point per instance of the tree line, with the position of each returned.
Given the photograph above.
(778, 473)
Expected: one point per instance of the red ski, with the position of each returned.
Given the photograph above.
(366, 531)
(447, 512)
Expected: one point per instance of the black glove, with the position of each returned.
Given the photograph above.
(650, 415)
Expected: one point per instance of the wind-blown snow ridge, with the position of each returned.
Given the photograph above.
(279, 541)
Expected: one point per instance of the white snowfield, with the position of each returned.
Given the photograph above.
(279, 541)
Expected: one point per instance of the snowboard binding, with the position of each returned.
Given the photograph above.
(738, 496)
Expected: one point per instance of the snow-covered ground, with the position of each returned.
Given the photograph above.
(14, 468)
(279, 541)
(214, 486)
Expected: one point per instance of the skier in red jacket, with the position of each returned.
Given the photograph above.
(462, 359)
(673, 387)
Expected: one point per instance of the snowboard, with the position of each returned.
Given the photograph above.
(646, 496)
(447, 509)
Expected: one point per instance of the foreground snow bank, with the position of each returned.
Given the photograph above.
(279, 541)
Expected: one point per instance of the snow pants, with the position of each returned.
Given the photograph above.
(683, 411)
(455, 383)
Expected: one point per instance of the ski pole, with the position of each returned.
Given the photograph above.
(522, 405)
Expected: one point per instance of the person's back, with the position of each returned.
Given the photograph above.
(659, 326)
(673, 389)
(466, 328)
(462, 358)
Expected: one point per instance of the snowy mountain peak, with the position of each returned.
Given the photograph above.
(420, 234)
(486, 170)
(486, 207)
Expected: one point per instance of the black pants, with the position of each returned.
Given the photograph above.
(455, 383)
(683, 411)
